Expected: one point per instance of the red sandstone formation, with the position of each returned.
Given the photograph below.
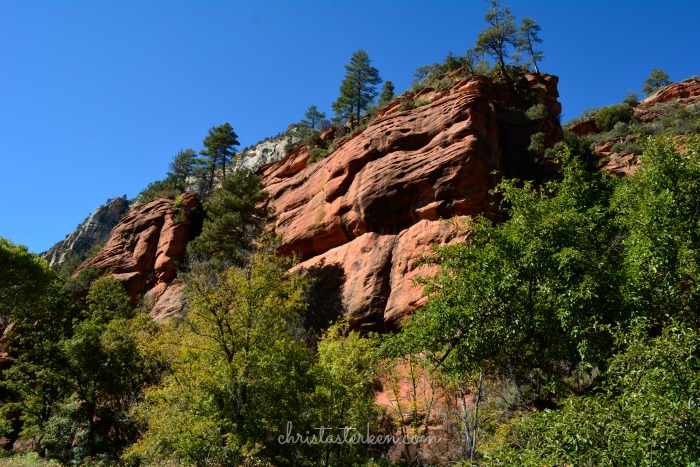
(144, 250)
(376, 204)
(687, 91)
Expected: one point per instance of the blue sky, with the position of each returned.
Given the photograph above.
(97, 96)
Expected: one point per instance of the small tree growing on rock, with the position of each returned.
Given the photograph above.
(529, 40)
(656, 80)
(359, 88)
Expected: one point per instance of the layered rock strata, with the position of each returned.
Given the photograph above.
(145, 248)
(376, 205)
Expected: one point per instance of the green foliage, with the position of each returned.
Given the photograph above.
(76, 260)
(219, 148)
(558, 289)
(313, 118)
(387, 95)
(532, 291)
(75, 371)
(182, 167)
(537, 112)
(33, 300)
(106, 373)
(316, 154)
(643, 414)
(607, 117)
(343, 398)
(656, 80)
(528, 41)
(234, 218)
(500, 34)
(359, 88)
(537, 143)
(165, 187)
(239, 370)
(631, 99)
(659, 206)
(671, 117)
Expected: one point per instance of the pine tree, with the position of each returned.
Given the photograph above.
(234, 218)
(182, 167)
(501, 33)
(359, 88)
(387, 94)
(313, 118)
(529, 40)
(656, 80)
(218, 150)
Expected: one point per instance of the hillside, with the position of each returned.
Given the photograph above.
(448, 276)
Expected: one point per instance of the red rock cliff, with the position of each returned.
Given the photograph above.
(363, 215)
(144, 250)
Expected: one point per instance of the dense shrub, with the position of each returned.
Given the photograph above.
(609, 116)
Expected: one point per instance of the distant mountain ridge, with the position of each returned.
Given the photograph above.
(91, 231)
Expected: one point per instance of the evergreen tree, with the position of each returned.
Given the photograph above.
(529, 40)
(313, 118)
(234, 218)
(656, 80)
(182, 167)
(218, 149)
(501, 33)
(387, 94)
(359, 88)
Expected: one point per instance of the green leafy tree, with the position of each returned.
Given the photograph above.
(36, 313)
(343, 400)
(234, 218)
(387, 95)
(656, 80)
(359, 88)
(529, 40)
(105, 373)
(501, 33)
(181, 167)
(659, 207)
(530, 292)
(643, 414)
(239, 372)
(219, 149)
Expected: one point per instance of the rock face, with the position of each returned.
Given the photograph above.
(684, 92)
(93, 230)
(265, 152)
(378, 203)
(145, 247)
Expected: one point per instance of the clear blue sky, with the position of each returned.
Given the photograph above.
(97, 96)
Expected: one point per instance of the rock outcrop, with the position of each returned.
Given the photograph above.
(377, 204)
(677, 96)
(145, 247)
(92, 231)
(266, 152)
(684, 92)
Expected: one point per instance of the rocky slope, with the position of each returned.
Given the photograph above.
(144, 250)
(367, 212)
(93, 230)
(663, 111)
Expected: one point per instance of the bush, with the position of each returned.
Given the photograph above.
(536, 112)
(609, 116)
(155, 189)
(316, 154)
